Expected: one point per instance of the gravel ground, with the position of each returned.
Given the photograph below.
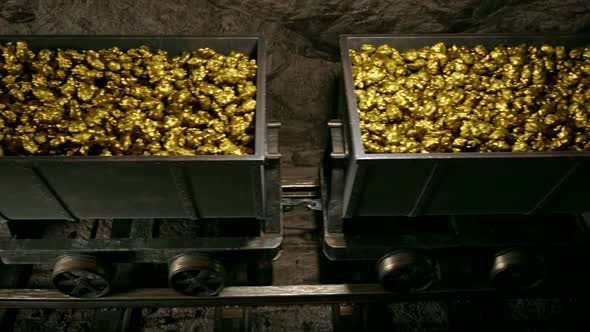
(178, 319)
(419, 315)
(292, 318)
(54, 320)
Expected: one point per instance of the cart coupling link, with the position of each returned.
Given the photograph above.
(289, 204)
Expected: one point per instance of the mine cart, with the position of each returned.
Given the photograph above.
(235, 199)
(520, 213)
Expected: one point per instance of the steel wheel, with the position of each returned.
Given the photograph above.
(405, 271)
(515, 268)
(196, 275)
(81, 276)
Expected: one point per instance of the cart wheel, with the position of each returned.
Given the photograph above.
(196, 275)
(515, 268)
(81, 276)
(405, 271)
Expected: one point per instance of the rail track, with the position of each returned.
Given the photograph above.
(259, 296)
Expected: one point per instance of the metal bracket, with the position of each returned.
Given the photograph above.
(334, 178)
(272, 140)
(289, 204)
(339, 150)
(272, 179)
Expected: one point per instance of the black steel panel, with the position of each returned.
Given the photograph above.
(461, 183)
(237, 193)
(509, 185)
(125, 190)
(573, 194)
(390, 187)
(23, 195)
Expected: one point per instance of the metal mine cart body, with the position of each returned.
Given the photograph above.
(245, 189)
(411, 192)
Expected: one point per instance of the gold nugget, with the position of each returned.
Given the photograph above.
(444, 98)
(135, 102)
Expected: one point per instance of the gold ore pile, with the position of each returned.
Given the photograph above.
(472, 99)
(134, 102)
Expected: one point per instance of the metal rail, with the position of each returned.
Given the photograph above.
(261, 295)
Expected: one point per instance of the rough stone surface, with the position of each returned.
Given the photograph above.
(419, 315)
(178, 319)
(54, 320)
(291, 318)
(68, 229)
(548, 314)
(178, 228)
